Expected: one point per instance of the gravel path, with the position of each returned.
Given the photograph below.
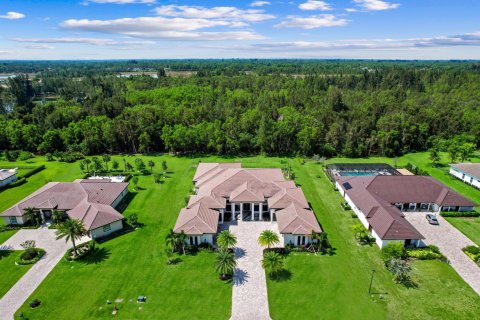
(450, 241)
(249, 297)
(55, 249)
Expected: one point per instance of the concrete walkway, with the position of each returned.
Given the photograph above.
(249, 296)
(55, 249)
(450, 241)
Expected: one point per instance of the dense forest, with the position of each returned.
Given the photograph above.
(288, 107)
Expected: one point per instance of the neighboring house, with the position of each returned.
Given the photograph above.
(381, 202)
(91, 201)
(467, 172)
(227, 192)
(7, 176)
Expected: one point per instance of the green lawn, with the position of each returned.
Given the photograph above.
(11, 273)
(320, 284)
(468, 226)
(134, 264)
(5, 235)
(320, 287)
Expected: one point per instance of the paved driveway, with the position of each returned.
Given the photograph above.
(249, 296)
(450, 241)
(55, 249)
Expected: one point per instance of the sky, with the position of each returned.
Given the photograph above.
(158, 29)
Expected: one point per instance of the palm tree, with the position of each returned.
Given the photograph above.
(151, 164)
(268, 238)
(272, 262)
(106, 158)
(225, 263)
(57, 216)
(318, 240)
(182, 237)
(72, 229)
(226, 239)
(31, 215)
(172, 240)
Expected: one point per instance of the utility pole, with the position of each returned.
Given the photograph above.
(371, 281)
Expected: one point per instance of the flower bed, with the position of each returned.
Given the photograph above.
(30, 256)
(426, 253)
(473, 252)
(82, 251)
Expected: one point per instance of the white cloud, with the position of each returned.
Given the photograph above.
(467, 39)
(119, 1)
(37, 46)
(162, 28)
(224, 13)
(92, 41)
(312, 22)
(260, 3)
(351, 10)
(315, 5)
(376, 5)
(11, 15)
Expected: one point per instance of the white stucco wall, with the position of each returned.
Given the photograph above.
(7, 181)
(458, 174)
(292, 239)
(98, 233)
(204, 238)
(6, 220)
(119, 199)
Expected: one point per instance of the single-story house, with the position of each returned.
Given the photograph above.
(467, 172)
(7, 176)
(91, 201)
(227, 192)
(381, 203)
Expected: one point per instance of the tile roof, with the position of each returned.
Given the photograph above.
(198, 219)
(472, 169)
(217, 182)
(83, 199)
(295, 219)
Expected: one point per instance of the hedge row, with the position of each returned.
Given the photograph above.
(31, 172)
(462, 214)
(17, 183)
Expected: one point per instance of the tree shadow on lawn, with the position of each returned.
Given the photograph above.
(126, 201)
(281, 276)
(5, 253)
(97, 256)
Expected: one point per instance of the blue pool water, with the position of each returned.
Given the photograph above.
(358, 173)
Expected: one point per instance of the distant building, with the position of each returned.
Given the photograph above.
(91, 201)
(7, 176)
(381, 203)
(467, 172)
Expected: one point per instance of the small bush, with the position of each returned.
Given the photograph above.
(424, 254)
(393, 251)
(35, 303)
(17, 183)
(31, 172)
(346, 206)
(25, 155)
(473, 252)
(30, 256)
(462, 214)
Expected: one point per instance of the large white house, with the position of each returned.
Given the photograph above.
(381, 203)
(467, 172)
(226, 192)
(7, 176)
(91, 201)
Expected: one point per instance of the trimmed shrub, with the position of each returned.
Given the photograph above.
(473, 252)
(393, 251)
(346, 206)
(30, 256)
(427, 253)
(462, 214)
(35, 303)
(17, 183)
(31, 172)
(82, 250)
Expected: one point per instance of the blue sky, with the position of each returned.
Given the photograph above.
(123, 29)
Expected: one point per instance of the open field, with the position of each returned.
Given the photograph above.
(11, 273)
(322, 286)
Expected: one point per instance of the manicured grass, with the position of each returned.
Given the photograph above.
(320, 286)
(336, 287)
(468, 226)
(134, 264)
(11, 273)
(5, 235)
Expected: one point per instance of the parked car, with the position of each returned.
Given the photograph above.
(432, 219)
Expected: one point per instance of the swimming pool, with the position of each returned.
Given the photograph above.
(358, 173)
